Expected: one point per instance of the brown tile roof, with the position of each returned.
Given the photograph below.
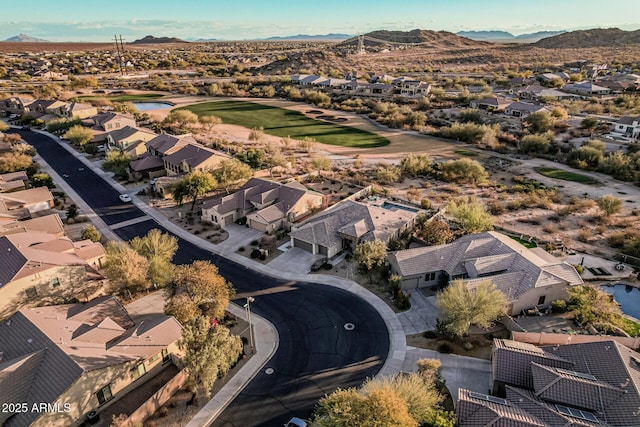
(28, 197)
(478, 410)
(167, 144)
(146, 163)
(194, 155)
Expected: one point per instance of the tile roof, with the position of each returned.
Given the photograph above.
(166, 144)
(354, 219)
(128, 132)
(488, 254)
(51, 224)
(146, 163)
(28, 197)
(477, 410)
(194, 155)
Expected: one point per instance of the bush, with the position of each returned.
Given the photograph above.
(402, 301)
(254, 243)
(579, 269)
(445, 348)
(263, 256)
(327, 266)
(558, 306)
(425, 203)
(255, 253)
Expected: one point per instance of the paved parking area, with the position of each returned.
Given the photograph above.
(239, 235)
(421, 316)
(294, 260)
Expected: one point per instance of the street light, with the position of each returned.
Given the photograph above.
(248, 307)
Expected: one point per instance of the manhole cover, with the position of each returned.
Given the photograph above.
(349, 326)
(269, 371)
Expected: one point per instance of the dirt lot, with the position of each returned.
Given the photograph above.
(475, 345)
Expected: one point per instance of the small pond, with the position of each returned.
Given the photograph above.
(146, 106)
(627, 296)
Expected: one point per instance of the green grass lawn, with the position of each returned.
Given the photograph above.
(524, 243)
(466, 153)
(127, 97)
(282, 122)
(565, 175)
(629, 326)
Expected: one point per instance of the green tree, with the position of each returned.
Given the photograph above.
(158, 248)
(471, 214)
(416, 164)
(209, 353)
(90, 232)
(117, 162)
(589, 122)
(41, 180)
(230, 172)
(536, 143)
(471, 116)
(461, 307)
(539, 122)
(13, 162)
(370, 256)
(79, 135)
(610, 205)
(202, 283)
(592, 305)
(208, 122)
(436, 232)
(181, 119)
(388, 174)
(125, 268)
(464, 171)
(192, 186)
(585, 157)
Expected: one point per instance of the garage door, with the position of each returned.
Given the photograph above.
(410, 283)
(303, 245)
(323, 250)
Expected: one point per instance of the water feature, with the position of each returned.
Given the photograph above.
(146, 106)
(394, 207)
(627, 296)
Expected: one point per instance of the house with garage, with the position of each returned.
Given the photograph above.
(522, 109)
(51, 224)
(15, 105)
(628, 127)
(77, 109)
(583, 384)
(130, 140)
(528, 277)
(492, 103)
(267, 205)
(26, 203)
(39, 268)
(586, 89)
(150, 164)
(193, 157)
(347, 224)
(79, 358)
(13, 181)
(108, 121)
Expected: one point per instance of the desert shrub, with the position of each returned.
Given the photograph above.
(559, 306)
(255, 253)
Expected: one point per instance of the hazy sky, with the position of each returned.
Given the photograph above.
(90, 20)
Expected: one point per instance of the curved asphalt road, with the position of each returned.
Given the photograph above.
(316, 354)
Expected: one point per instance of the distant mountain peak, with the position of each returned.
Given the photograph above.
(26, 38)
(331, 36)
(156, 40)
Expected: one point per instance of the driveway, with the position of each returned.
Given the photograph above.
(239, 235)
(294, 260)
(459, 371)
(422, 315)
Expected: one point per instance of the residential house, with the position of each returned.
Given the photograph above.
(586, 89)
(13, 181)
(108, 121)
(551, 77)
(378, 90)
(492, 103)
(15, 105)
(45, 106)
(39, 268)
(536, 92)
(587, 384)
(150, 164)
(193, 157)
(79, 358)
(26, 203)
(522, 109)
(267, 205)
(411, 87)
(51, 224)
(77, 109)
(528, 277)
(628, 127)
(129, 140)
(347, 224)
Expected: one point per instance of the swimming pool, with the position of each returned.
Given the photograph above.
(627, 296)
(394, 207)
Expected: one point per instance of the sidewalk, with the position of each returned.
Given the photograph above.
(268, 336)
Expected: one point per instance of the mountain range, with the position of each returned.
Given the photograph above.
(26, 39)
(158, 40)
(505, 36)
(331, 36)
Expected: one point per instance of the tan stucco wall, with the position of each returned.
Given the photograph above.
(73, 284)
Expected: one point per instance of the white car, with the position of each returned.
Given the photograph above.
(296, 422)
(125, 198)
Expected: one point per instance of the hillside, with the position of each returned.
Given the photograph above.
(23, 38)
(158, 40)
(414, 37)
(599, 37)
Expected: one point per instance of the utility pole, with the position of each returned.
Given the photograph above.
(361, 49)
(115, 37)
(122, 49)
(248, 307)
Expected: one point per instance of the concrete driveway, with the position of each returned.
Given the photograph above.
(421, 316)
(294, 260)
(458, 371)
(239, 235)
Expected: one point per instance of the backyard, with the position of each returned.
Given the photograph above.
(282, 122)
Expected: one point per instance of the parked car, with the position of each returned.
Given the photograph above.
(318, 264)
(296, 422)
(124, 198)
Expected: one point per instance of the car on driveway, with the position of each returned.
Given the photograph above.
(125, 198)
(296, 422)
